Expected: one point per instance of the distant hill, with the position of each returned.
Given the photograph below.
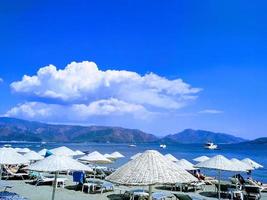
(23, 130)
(190, 136)
(262, 140)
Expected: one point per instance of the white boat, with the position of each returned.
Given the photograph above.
(131, 145)
(210, 145)
(163, 146)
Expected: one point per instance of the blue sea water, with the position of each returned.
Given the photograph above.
(187, 151)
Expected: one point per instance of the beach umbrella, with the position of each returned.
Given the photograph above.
(110, 157)
(8, 156)
(171, 157)
(219, 163)
(201, 158)
(185, 164)
(150, 168)
(135, 156)
(62, 151)
(42, 152)
(23, 150)
(117, 154)
(241, 165)
(57, 164)
(96, 158)
(79, 153)
(33, 156)
(252, 163)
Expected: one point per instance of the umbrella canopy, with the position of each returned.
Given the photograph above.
(150, 168)
(252, 163)
(79, 153)
(57, 164)
(33, 156)
(95, 157)
(185, 164)
(171, 157)
(110, 157)
(218, 162)
(9, 156)
(242, 165)
(42, 152)
(117, 154)
(201, 158)
(135, 156)
(23, 150)
(62, 151)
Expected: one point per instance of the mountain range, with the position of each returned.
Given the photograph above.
(12, 129)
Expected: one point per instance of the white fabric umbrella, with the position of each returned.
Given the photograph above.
(62, 151)
(185, 164)
(201, 158)
(42, 152)
(23, 150)
(252, 163)
(110, 157)
(79, 153)
(33, 156)
(57, 164)
(8, 156)
(219, 163)
(171, 157)
(148, 169)
(117, 154)
(135, 156)
(95, 157)
(241, 165)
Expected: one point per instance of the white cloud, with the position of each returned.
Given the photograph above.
(210, 111)
(1, 80)
(81, 91)
(76, 112)
(84, 82)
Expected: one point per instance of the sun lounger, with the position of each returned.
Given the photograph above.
(106, 186)
(161, 195)
(263, 187)
(42, 179)
(252, 192)
(9, 174)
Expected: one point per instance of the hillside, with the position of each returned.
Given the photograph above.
(262, 140)
(200, 136)
(22, 130)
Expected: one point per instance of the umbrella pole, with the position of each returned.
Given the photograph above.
(1, 171)
(54, 186)
(150, 192)
(219, 185)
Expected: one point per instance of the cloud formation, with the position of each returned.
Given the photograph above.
(210, 111)
(1, 80)
(84, 90)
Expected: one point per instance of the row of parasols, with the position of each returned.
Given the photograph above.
(146, 169)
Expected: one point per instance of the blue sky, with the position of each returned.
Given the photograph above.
(218, 47)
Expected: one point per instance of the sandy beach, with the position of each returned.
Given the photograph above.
(43, 192)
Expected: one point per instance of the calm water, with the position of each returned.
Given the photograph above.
(255, 152)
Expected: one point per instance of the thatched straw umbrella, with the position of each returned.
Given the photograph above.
(135, 156)
(42, 152)
(150, 168)
(201, 158)
(57, 164)
(171, 157)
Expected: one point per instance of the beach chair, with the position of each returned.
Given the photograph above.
(161, 195)
(252, 192)
(8, 173)
(106, 186)
(263, 187)
(42, 179)
(182, 196)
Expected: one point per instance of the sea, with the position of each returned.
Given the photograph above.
(257, 152)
